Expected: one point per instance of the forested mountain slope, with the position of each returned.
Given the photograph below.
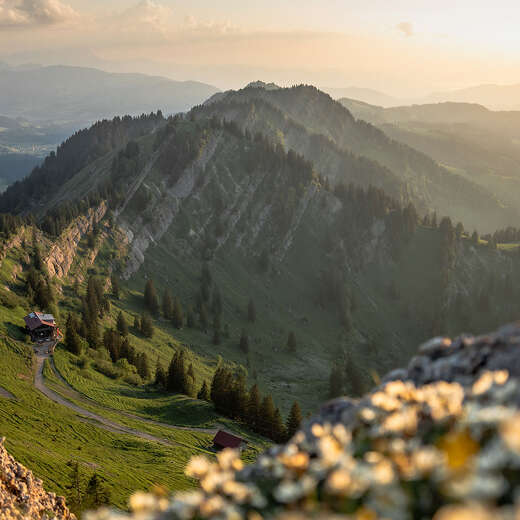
(205, 275)
(477, 143)
(309, 121)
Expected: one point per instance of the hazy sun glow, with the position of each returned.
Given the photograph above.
(405, 47)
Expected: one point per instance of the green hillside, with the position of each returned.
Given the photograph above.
(310, 122)
(478, 144)
(200, 241)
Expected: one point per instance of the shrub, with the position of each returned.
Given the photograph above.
(107, 368)
(132, 379)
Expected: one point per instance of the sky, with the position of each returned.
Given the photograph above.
(401, 47)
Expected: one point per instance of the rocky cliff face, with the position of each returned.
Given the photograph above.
(22, 496)
(439, 439)
(63, 250)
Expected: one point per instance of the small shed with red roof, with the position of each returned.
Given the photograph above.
(41, 327)
(228, 440)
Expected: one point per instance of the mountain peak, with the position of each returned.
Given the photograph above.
(262, 84)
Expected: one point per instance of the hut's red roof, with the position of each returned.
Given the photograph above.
(37, 319)
(227, 440)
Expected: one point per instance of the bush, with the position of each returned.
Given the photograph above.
(133, 379)
(82, 362)
(9, 299)
(107, 368)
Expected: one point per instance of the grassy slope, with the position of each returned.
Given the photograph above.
(31, 420)
(45, 436)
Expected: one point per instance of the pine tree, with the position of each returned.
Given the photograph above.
(266, 422)
(115, 287)
(75, 495)
(137, 323)
(279, 433)
(147, 325)
(251, 311)
(72, 339)
(96, 492)
(143, 368)
(204, 392)
(122, 326)
(178, 379)
(178, 315)
(161, 379)
(151, 301)
(167, 305)
(294, 420)
(291, 342)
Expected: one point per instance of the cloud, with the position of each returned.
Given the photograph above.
(27, 13)
(146, 13)
(406, 28)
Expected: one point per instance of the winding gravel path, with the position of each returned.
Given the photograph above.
(42, 353)
(5, 394)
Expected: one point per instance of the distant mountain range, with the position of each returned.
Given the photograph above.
(494, 97)
(472, 141)
(62, 93)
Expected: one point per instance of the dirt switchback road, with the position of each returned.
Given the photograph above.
(42, 353)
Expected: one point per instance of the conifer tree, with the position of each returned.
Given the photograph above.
(160, 376)
(75, 495)
(151, 301)
(167, 305)
(251, 311)
(96, 492)
(122, 326)
(178, 315)
(147, 325)
(204, 392)
(143, 368)
(137, 323)
(72, 339)
(279, 433)
(294, 420)
(115, 287)
(266, 422)
(124, 349)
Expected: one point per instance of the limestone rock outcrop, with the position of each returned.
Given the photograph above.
(22, 496)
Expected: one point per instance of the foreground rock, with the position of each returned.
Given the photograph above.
(440, 439)
(22, 495)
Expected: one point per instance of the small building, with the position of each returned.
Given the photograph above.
(228, 440)
(41, 327)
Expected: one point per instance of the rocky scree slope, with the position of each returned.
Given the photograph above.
(22, 496)
(438, 439)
